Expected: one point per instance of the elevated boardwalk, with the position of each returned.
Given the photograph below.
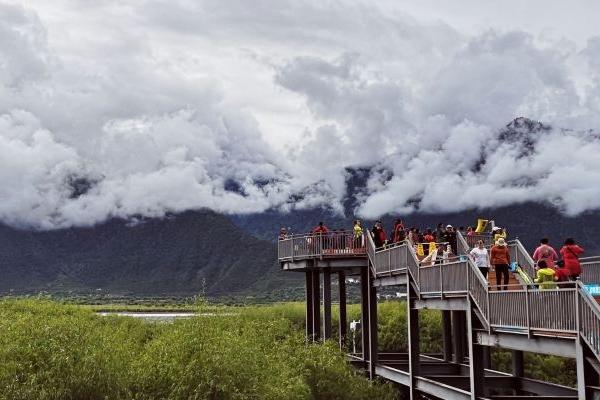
(476, 317)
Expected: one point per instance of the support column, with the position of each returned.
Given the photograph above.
(309, 307)
(327, 303)
(476, 373)
(517, 363)
(372, 330)
(414, 350)
(343, 328)
(586, 375)
(457, 337)
(364, 311)
(316, 283)
(447, 335)
(487, 357)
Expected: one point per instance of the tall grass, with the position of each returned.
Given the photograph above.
(54, 351)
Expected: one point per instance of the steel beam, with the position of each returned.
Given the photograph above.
(372, 331)
(309, 306)
(440, 390)
(541, 344)
(476, 374)
(447, 335)
(343, 324)
(364, 310)
(316, 303)
(326, 303)
(414, 349)
(450, 303)
(517, 363)
(457, 336)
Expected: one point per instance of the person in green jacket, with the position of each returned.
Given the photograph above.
(545, 276)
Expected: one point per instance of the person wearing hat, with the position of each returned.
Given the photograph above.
(449, 236)
(500, 259)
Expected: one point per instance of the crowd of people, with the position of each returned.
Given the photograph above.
(551, 266)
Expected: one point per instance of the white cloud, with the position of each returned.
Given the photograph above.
(142, 108)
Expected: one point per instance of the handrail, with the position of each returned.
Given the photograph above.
(523, 258)
(320, 245)
(371, 251)
(588, 319)
(590, 271)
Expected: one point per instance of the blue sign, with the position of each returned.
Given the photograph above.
(593, 289)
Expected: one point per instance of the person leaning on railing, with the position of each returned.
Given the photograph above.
(570, 253)
(545, 276)
(357, 233)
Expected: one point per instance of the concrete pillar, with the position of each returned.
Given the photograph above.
(343, 328)
(447, 335)
(327, 303)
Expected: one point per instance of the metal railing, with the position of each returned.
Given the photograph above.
(391, 261)
(443, 279)
(472, 240)
(590, 270)
(318, 245)
(549, 310)
(519, 254)
(588, 319)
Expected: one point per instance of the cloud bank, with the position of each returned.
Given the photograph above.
(122, 111)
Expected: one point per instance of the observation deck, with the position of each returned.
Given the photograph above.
(476, 316)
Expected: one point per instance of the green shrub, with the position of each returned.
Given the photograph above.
(54, 351)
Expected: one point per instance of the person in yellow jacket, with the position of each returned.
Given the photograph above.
(358, 234)
(545, 276)
(498, 233)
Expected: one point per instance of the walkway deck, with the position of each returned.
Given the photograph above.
(475, 317)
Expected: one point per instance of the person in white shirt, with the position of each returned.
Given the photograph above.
(481, 258)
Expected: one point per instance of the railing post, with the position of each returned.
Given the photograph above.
(390, 262)
(441, 281)
(527, 310)
(489, 318)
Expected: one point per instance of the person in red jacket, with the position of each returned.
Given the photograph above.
(399, 234)
(378, 234)
(321, 228)
(570, 253)
(500, 259)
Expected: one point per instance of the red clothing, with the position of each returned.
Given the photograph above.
(570, 254)
(399, 233)
(429, 238)
(320, 229)
(499, 255)
(546, 253)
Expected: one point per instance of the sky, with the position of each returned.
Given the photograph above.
(142, 108)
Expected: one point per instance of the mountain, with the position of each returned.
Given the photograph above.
(186, 254)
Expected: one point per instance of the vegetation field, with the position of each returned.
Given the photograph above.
(52, 350)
